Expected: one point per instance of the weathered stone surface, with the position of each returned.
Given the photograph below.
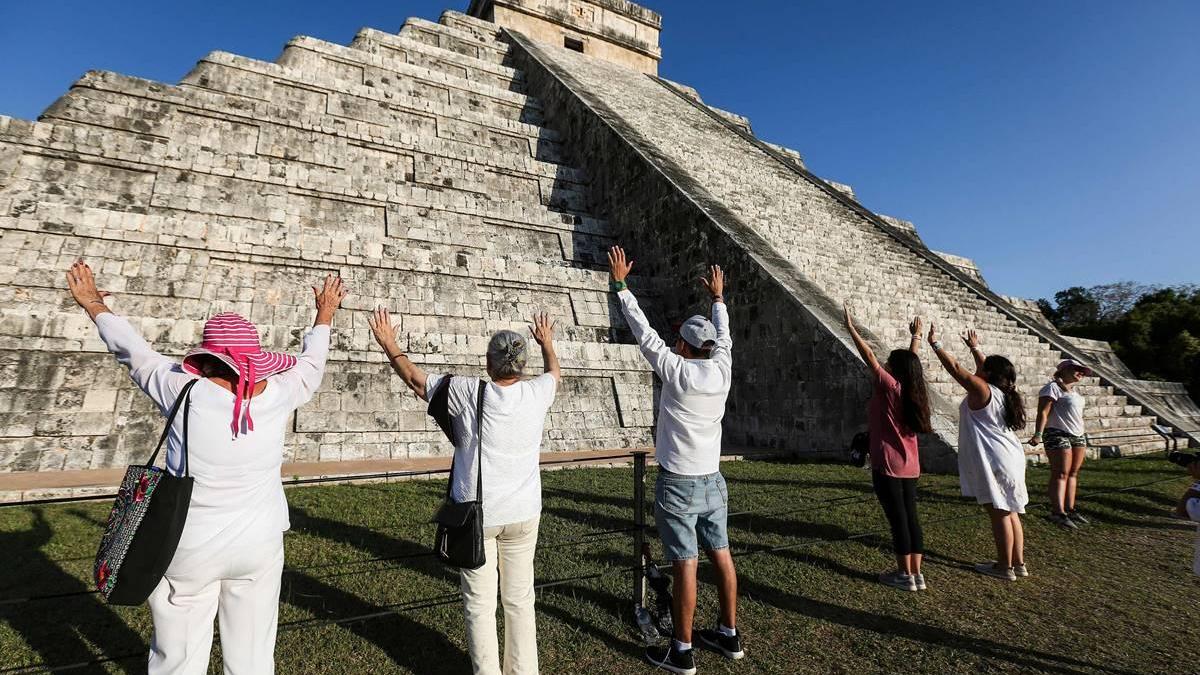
(465, 182)
(803, 239)
(414, 169)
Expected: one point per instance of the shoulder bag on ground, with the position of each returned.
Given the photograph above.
(145, 523)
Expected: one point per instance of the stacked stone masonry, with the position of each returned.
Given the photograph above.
(414, 165)
(842, 254)
(465, 178)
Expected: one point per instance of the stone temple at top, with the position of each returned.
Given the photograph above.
(465, 174)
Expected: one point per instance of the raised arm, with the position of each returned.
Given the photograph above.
(543, 332)
(971, 339)
(156, 375)
(305, 379)
(385, 335)
(864, 349)
(661, 358)
(914, 334)
(714, 283)
(978, 391)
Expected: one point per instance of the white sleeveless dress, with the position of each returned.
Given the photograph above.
(991, 461)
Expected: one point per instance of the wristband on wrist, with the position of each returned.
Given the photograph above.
(936, 344)
(718, 298)
(617, 286)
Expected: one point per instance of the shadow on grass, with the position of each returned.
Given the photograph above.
(62, 631)
(607, 603)
(890, 626)
(407, 642)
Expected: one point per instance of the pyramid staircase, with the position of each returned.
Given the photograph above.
(413, 164)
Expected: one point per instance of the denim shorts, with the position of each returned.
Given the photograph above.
(1057, 439)
(691, 513)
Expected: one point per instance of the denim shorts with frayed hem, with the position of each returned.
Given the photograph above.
(1057, 439)
(691, 513)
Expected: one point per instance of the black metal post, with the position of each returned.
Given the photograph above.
(639, 522)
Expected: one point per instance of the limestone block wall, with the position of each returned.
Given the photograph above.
(797, 385)
(414, 165)
(811, 236)
(614, 30)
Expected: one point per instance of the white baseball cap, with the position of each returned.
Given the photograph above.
(698, 332)
(1072, 363)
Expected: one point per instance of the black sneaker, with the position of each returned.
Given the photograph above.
(668, 658)
(729, 645)
(1077, 517)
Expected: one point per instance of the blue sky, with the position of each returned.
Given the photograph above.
(1056, 143)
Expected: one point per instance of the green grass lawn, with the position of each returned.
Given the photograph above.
(1117, 597)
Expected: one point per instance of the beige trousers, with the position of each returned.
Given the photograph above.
(509, 551)
(240, 588)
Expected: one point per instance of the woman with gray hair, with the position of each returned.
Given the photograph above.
(514, 413)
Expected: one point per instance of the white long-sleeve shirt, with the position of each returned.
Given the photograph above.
(238, 495)
(687, 438)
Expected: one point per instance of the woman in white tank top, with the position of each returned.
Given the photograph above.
(991, 459)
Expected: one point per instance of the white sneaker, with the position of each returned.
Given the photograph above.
(993, 569)
(900, 580)
(1021, 570)
(920, 579)
(1061, 520)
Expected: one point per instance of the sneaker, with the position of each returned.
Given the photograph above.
(728, 645)
(1061, 520)
(920, 579)
(992, 569)
(1021, 570)
(898, 579)
(668, 658)
(1077, 518)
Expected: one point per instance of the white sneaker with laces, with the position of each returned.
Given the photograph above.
(992, 569)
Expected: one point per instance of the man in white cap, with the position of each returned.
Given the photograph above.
(691, 500)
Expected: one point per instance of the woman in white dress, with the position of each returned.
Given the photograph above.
(991, 460)
(230, 556)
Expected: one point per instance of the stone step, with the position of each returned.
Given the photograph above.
(345, 65)
(457, 40)
(234, 143)
(422, 54)
(307, 235)
(481, 29)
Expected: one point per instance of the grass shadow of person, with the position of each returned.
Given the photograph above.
(62, 631)
(890, 626)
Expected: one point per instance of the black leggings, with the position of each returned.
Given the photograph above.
(898, 496)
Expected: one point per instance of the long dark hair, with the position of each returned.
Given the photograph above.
(914, 398)
(1000, 373)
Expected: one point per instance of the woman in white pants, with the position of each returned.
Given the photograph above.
(991, 459)
(230, 555)
(514, 414)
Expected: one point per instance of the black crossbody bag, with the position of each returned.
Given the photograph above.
(145, 522)
(459, 541)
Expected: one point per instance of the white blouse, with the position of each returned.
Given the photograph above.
(238, 496)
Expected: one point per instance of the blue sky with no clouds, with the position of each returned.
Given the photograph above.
(1056, 143)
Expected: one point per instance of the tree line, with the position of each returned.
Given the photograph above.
(1154, 329)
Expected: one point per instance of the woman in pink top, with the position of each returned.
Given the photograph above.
(898, 411)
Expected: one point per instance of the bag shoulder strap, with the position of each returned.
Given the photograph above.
(479, 440)
(179, 402)
(479, 445)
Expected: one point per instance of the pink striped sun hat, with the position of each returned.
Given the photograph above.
(234, 340)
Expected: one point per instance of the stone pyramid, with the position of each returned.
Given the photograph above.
(465, 174)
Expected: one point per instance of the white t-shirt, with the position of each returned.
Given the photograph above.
(1067, 412)
(687, 437)
(513, 420)
(237, 498)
